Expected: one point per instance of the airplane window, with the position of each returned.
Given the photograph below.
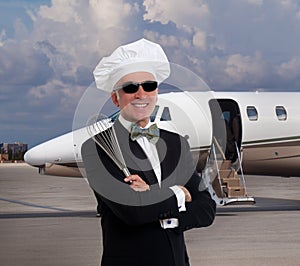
(281, 113)
(252, 113)
(166, 116)
(114, 116)
(154, 113)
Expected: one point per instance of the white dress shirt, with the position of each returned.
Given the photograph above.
(151, 152)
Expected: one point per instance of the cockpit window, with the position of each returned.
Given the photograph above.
(154, 113)
(166, 116)
(281, 113)
(114, 116)
(252, 113)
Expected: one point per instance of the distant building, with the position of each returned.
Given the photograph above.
(13, 151)
(3, 157)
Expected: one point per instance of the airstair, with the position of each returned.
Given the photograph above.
(225, 180)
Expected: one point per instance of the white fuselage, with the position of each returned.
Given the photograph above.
(268, 131)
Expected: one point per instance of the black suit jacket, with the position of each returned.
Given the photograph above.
(132, 234)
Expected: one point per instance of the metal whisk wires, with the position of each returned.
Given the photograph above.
(103, 133)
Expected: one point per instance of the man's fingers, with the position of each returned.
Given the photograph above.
(130, 178)
(137, 183)
(133, 178)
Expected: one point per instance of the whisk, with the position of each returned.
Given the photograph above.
(101, 130)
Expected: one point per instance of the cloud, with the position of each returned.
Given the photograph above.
(256, 2)
(199, 40)
(61, 11)
(188, 13)
(67, 40)
(69, 37)
(241, 68)
(23, 65)
(290, 70)
(47, 64)
(2, 37)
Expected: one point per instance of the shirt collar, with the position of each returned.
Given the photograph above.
(128, 125)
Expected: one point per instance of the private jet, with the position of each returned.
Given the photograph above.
(231, 134)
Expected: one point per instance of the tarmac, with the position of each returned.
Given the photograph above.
(48, 220)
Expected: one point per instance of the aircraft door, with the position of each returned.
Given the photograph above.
(227, 127)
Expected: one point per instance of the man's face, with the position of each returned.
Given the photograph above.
(136, 107)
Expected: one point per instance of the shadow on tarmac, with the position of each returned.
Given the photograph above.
(262, 205)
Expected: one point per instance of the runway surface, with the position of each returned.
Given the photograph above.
(48, 220)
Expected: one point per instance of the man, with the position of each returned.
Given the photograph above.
(145, 213)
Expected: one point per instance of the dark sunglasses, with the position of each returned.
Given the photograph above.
(133, 87)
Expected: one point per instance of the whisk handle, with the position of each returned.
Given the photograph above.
(126, 171)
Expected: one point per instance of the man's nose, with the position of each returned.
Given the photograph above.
(141, 93)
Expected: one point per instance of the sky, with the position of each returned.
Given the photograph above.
(48, 50)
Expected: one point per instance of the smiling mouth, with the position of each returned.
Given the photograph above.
(140, 105)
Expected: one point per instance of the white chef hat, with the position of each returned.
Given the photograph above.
(139, 56)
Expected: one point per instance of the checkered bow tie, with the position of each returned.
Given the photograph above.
(151, 133)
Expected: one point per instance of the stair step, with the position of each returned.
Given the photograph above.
(231, 182)
(227, 173)
(235, 191)
(225, 165)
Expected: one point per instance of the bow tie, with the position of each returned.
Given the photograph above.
(151, 133)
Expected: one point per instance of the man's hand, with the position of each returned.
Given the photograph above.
(137, 183)
(188, 197)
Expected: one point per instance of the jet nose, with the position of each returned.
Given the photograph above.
(35, 156)
(27, 157)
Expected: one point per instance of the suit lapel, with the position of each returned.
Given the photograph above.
(135, 158)
(138, 154)
(166, 158)
(162, 151)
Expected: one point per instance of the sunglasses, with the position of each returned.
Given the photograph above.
(133, 87)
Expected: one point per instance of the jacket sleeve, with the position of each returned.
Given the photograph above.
(133, 208)
(200, 212)
(136, 208)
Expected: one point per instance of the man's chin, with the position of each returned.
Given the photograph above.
(137, 117)
(142, 121)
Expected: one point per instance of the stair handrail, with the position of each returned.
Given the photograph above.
(216, 161)
(220, 148)
(241, 167)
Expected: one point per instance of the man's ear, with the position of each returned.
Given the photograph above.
(114, 98)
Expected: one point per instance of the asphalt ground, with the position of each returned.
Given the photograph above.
(47, 220)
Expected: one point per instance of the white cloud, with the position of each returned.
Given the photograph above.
(2, 37)
(291, 8)
(49, 61)
(237, 71)
(45, 91)
(52, 57)
(21, 65)
(61, 11)
(290, 70)
(199, 40)
(241, 68)
(75, 34)
(83, 27)
(287, 3)
(256, 2)
(108, 14)
(188, 13)
(55, 93)
(163, 39)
